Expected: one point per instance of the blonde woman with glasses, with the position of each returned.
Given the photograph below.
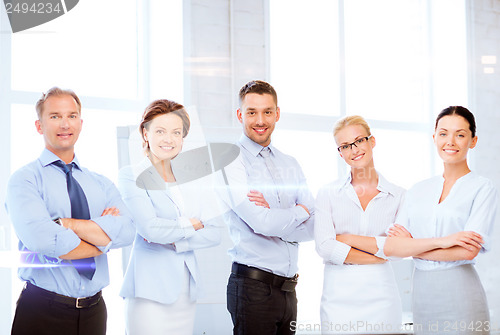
(359, 288)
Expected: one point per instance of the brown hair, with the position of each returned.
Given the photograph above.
(55, 92)
(460, 111)
(258, 87)
(162, 107)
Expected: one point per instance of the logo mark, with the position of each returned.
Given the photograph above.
(26, 14)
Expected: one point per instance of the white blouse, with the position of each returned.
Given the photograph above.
(470, 206)
(338, 211)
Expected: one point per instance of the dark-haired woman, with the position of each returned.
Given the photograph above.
(446, 288)
(172, 220)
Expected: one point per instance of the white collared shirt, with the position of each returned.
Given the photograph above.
(470, 206)
(338, 211)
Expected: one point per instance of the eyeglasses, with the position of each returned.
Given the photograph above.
(359, 141)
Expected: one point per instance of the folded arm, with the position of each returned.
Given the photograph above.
(207, 237)
(273, 222)
(455, 253)
(88, 230)
(303, 232)
(148, 224)
(408, 246)
(356, 256)
(84, 250)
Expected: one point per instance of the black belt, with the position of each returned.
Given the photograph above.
(72, 302)
(284, 283)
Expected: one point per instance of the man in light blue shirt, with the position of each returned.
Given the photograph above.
(65, 264)
(271, 209)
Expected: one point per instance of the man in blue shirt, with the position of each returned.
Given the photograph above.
(271, 209)
(64, 253)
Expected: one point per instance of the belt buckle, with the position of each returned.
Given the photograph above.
(77, 304)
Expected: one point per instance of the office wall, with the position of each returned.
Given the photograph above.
(484, 23)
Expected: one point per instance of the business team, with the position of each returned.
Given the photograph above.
(67, 219)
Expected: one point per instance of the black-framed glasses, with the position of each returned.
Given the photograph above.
(359, 141)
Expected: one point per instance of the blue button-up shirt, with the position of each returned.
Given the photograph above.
(267, 238)
(37, 194)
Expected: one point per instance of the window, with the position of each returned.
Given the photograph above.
(391, 61)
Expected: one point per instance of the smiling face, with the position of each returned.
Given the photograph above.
(60, 124)
(258, 114)
(453, 139)
(165, 137)
(359, 156)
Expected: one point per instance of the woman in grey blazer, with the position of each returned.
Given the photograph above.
(172, 220)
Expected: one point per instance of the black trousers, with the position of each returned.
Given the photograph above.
(259, 308)
(37, 315)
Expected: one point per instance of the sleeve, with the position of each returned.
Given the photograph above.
(120, 229)
(31, 219)
(402, 217)
(305, 230)
(206, 237)
(483, 213)
(273, 222)
(327, 246)
(210, 215)
(147, 224)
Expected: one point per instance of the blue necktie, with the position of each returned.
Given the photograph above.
(275, 175)
(79, 210)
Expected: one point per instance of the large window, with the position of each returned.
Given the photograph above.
(394, 62)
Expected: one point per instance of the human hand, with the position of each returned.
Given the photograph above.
(398, 231)
(113, 211)
(196, 223)
(257, 198)
(467, 239)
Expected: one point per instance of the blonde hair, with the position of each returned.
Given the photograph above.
(350, 121)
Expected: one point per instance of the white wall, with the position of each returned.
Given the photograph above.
(485, 97)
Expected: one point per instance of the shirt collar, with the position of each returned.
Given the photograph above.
(383, 185)
(48, 157)
(252, 147)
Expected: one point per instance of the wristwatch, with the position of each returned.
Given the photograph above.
(58, 221)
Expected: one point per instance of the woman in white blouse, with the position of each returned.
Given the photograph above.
(172, 220)
(445, 222)
(359, 288)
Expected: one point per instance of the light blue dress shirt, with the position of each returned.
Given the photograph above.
(266, 238)
(36, 194)
(166, 241)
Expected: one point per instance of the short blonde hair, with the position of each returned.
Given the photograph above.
(351, 121)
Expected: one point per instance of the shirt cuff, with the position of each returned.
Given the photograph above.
(106, 248)
(339, 253)
(380, 245)
(66, 240)
(182, 246)
(187, 226)
(300, 213)
(109, 225)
